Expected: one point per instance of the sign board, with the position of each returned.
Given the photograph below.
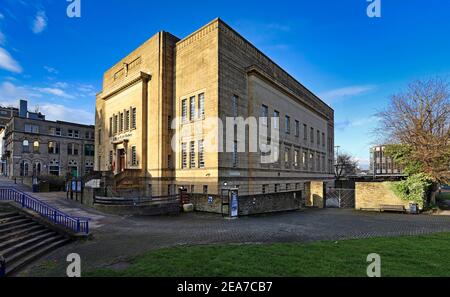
(210, 200)
(234, 204)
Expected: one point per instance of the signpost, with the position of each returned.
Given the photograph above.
(234, 203)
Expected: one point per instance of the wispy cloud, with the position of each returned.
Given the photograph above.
(12, 93)
(60, 112)
(346, 92)
(355, 123)
(7, 62)
(39, 22)
(56, 92)
(51, 70)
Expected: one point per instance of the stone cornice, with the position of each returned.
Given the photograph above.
(131, 80)
(197, 35)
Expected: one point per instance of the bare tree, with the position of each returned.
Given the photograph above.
(345, 165)
(419, 119)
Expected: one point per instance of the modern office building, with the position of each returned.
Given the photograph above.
(382, 165)
(164, 106)
(33, 146)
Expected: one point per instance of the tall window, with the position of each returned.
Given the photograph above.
(191, 108)
(311, 161)
(296, 155)
(110, 126)
(318, 137)
(127, 120)
(36, 147)
(133, 156)
(133, 118)
(116, 121)
(287, 153)
(73, 149)
(31, 129)
(53, 148)
(297, 128)
(276, 116)
(201, 106)
(121, 122)
(25, 146)
(183, 156)
(287, 125)
(201, 157)
(76, 134)
(305, 132)
(192, 154)
(110, 158)
(264, 114)
(323, 139)
(184, 110)
(234, 103)
(89, 150)
(312, 135)
(304, 160)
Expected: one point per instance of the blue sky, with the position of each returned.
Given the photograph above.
(351, 61)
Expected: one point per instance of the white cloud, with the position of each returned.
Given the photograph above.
(39, 22)
(61, 85)
(60, 112)
(346, 92)
(51, 70)
(56, 92)
(7, 62)
(11, 93)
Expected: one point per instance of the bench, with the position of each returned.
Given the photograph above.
(396, 208)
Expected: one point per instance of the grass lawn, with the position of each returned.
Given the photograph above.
(426, 255)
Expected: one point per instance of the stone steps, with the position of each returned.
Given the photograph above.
(24, 240)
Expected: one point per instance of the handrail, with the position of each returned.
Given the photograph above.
(75, 224)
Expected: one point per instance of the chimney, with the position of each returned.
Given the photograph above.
(23, 108)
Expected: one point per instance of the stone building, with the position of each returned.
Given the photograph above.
(382, 165)
(6, 113)
(33, 146)
(168, 86)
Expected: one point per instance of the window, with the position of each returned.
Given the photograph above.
(110, 126)
(52, 131)
(116, 122)
(53, 170)
(87, 135)
(276, 119)
(110, 158)
(36, 147)
(76, 134)
(318, 137)
(311, 161)
(201, 106)
(201, 157)
(296, 155)
(312, 135)
(183, 156)
(304, 160)
(70, 133)
(31, 129)
(234, 103)
(169, 161)
(297, 128)
(264, 114)
(235, 154)
(264, 188)
(191, 108)
(184, 110)
(133, 118)
(318, 162)
(277, 188)
(53, 148)
(205, 189)
(287, 125)
(305, 132)
(134, 161)
(89, 150)
(287, 152)
(121, 118)
(127, 120)
(26, 146)
(192, 155)
(58, 131)
(72, 149)
(288, 187)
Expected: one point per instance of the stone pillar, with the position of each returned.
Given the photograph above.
(315, 194)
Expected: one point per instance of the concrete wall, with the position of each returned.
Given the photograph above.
(251, 204)
(371, 195)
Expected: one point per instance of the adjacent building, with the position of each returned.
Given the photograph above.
(382, 165)
(6, 113)
(33, 146)
(164, 103)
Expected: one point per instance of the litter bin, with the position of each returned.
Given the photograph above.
(413, 208)
(35, 188)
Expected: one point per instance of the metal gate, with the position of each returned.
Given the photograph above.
(340, 198)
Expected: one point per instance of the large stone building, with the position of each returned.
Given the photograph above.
(33, 146)
(169, 85)
(381, 165)
(6, 113)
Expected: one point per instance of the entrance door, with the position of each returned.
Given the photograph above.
(74, 171)
(121, 160)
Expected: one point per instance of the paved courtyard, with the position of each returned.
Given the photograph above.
(118, 238)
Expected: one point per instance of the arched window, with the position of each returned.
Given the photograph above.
(36, 169)
(25, 170)
(36, 146)
(26, 146)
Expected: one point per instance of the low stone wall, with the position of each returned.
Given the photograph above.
(371, 195)
(315, 194)
(251, 204)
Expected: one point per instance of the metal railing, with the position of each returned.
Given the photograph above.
(77, 225)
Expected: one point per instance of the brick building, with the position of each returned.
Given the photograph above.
(382, 165)
(169, 85)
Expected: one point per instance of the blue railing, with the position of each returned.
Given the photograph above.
(77, 225)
